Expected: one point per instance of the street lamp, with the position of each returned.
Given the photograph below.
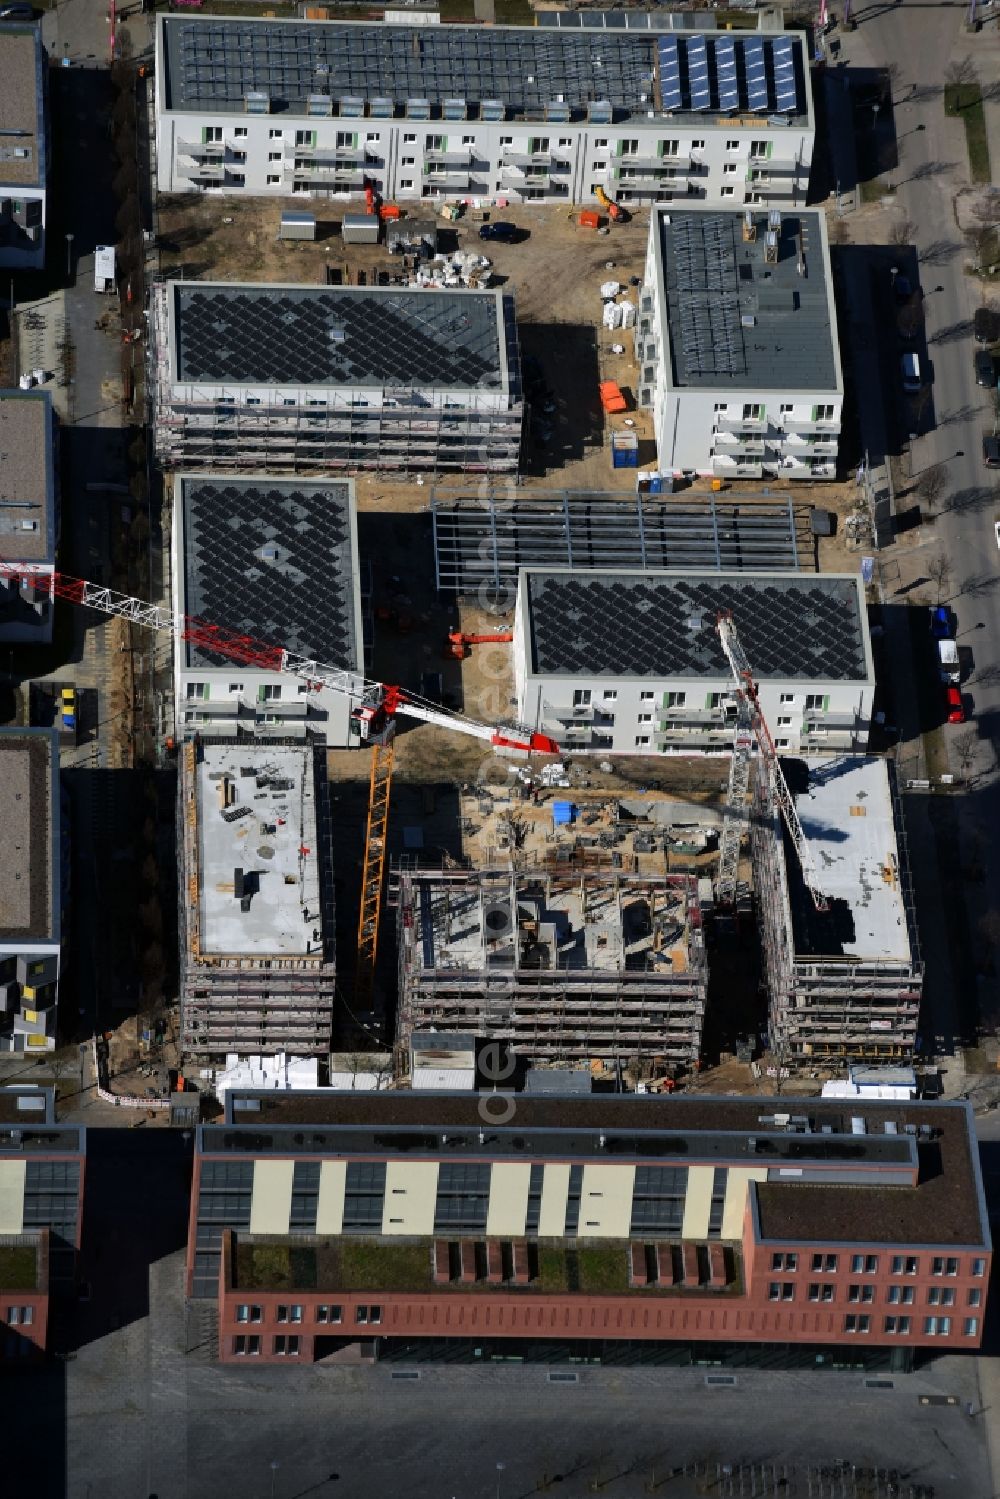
(69, 256)
(275, 1465)
(500, 1473)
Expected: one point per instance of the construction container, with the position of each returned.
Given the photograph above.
(563, 813)
(624, 450)
(105, 274)
(389, 211)
(656, 483)
(297, 226)
(611, 397)
(717, 484)
(589, 219)
(360, 228)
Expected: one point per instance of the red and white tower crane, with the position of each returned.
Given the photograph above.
(748, 708)
(375, 708)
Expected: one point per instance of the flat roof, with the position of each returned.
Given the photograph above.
(590, 923)
(604, 622)
(339, 336)
(27, 494)
(740, 313)
(29, 837)
(23, 1105)
(211, 64)
(276, 559)
(268, 830)
(945, 1207)
(22, 143)
(848, 817)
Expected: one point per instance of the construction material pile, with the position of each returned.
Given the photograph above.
(463, 268)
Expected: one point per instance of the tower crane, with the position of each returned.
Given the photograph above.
(375, 707)
(750, 712)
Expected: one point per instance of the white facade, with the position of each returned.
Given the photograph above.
(688, 712)
(778, 409)
(473, 148)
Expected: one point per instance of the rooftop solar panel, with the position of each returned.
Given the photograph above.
(725, 62)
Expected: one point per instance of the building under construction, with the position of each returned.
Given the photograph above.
(256, 901)
(844, 982)
(312, 378)
(566, 966)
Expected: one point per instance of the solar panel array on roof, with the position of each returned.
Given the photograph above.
(725, 65)
(698, 78)
(274, 559)
(728, 73)
(624, 624)
(670, 73)
(294, 335)
(785, 85)
(215, 63)
(756, 73)
(704, 272)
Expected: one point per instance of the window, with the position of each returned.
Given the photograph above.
(732, 145)
(600, 145)
(564, 142)
(411, 140)
(899, 1325)
(944, 1266)
(374, 1314)
(941, 1296)
(676, 699)
(328, 1314)
(235, 687)
(610, 695)
(364, 1195)
(295, 1314)
(787, 697)
(248, 1313)
(286, 1345)
(729, 169)
(901, 1294)
(240, 132)
(405, 184)
(247, 1343)
(274, 155)
(783, 721)
(641, 741)
(861, 1293)
(581, 697)
(937, 1327)
(753, 411)
(819, 1292)
(978, 1268)
(814, 702)
(658, 1199)
(781, 1290)
(759, 150)
(974, 1298)
(864, 1264)
(409, 161)
(904, 1264)
(275, 135)
(273, 180)
(211, 133)
(727, 192)
(645, 718)
(853, 1323)
(824, 1264)
(647, 697)
(970, 1327)
(268, 692)
(308, 138)
(361, 1314)
(197, 690)
(784, 1262)
(697, 145)
(717, 1207)
(822, 413)
(463, 1191)
(281, 1313)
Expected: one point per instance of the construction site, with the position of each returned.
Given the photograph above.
(303, 378)
(601, 967)
(256, 894)
(844, 973)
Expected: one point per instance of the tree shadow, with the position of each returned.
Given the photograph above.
(928, 169)
(952, 333)
(939, 252)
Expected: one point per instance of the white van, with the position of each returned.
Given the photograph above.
(948, 661)
(909, 366)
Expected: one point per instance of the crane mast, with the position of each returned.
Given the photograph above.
(749, 697)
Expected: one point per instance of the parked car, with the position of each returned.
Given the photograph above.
(942, 623)
(503, 230)
(954, 707)
(17, 13)
(991, 452)
(949, 662)
(984, 367)
(986, 325)
(909, 367)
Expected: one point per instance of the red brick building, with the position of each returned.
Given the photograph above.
(724, 1230)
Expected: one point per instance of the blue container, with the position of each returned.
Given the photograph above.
(656, 483)
(624, 450)
(563, 812)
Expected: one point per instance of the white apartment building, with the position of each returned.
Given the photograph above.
(276, 560)
(29, 515)
(737, 344)
(32, 879)
(544, 113)
(629, 662)
(24, 146)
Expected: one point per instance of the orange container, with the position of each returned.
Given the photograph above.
(389, 211)
(611, 396)
(589, 219)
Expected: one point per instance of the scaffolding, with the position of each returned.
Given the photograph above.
(331, 428)
(484, 539)
(251, 1002)
(830, 1006)
(580, 965)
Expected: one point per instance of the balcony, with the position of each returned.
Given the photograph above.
(537, 159)
(734, 468)
(449, 178)
(201, 148)
(461, 158)
(203, 171)
(347, 154)
(738, 445)
(737, 424)
(531, 176)
(316, 176)
(591, 713)
(797, 426)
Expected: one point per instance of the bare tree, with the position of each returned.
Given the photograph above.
(931, 483)
(902, 232)
(838, 231)
(966, 746)
(958, 74)
(939, 572)
(909, 317)
(980, 239)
